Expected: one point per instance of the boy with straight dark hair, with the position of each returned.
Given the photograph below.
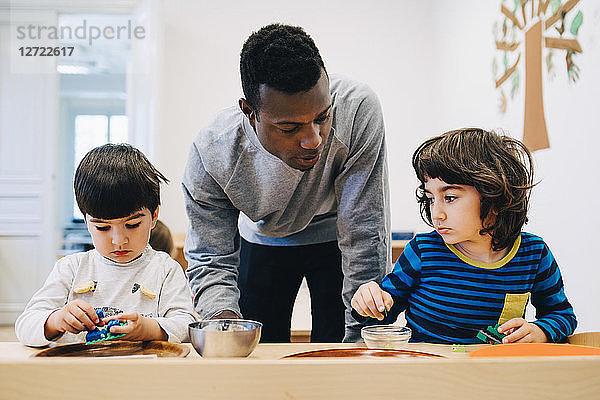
(118, 191)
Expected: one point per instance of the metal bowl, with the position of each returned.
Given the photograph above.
(385, 336)
(225, 337)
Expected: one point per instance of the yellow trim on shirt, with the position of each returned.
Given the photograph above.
(485, 265)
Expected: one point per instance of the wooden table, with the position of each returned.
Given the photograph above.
(264, 375)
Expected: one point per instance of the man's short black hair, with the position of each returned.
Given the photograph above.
(283, 57)
(115, 180)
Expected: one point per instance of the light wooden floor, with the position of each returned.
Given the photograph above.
(7, 333)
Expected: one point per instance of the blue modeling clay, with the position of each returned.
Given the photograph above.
(103, 333)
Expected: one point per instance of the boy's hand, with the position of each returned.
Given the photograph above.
(520, 331)
(371, 301)
(74, 317)
(138, 327)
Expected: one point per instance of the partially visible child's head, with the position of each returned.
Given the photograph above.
(118, 191)
(499, 167)
(161, 238)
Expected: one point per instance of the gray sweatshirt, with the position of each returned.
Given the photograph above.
(114, 287)
(233, 186)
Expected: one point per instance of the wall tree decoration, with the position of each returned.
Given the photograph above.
(529, 26)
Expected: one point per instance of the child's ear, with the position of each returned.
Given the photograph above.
(155, 217)
(491, 218)
(85, 221)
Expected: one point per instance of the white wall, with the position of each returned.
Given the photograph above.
(563, 204)
(430, 63)
(28, 146)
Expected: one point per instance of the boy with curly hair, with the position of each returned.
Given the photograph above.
(477, 268)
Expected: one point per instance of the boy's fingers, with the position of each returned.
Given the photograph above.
(372, 305)
(106, 319)
(119, 317)
(73, 323)
(79, 306)
(66, 327)
(387, 300)
(516, 335)
(132, 316)
(357, 304)
(363, 309)
(374, 300)
(525, 339)
(89, 310)
(70, 329)
(84, 318)
(121, 329)
(362, 304)
(511, 323)
(377, 298)
(369, 309)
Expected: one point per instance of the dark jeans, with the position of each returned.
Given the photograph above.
(269, 279)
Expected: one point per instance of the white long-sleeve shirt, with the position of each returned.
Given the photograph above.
(116, 288)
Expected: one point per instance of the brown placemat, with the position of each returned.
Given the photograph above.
(362, 352)
(116, 348)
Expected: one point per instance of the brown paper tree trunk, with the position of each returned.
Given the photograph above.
(535, 135)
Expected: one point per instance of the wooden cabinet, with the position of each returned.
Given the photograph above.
(397, 248)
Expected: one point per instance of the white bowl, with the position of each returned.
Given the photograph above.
(386, 336)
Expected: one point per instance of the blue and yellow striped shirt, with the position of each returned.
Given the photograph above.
(449, 297)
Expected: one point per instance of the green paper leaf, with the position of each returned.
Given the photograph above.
(554, 5)
(577, 21)
(516, 81)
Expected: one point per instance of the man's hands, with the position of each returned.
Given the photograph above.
(371, 301)
(138, 327)
(520, 331)
(226, 314)
(74, 317)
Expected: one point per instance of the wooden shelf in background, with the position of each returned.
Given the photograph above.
(397, 248)
(178, 242)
